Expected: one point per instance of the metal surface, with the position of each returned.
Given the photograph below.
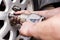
(17, 20)
(4, 16)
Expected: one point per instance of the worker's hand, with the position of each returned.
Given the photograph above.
(46, 30)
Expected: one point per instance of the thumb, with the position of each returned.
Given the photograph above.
(24, 30)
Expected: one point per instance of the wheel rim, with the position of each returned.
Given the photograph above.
(4, 16)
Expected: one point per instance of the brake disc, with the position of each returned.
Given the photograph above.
(22, 4)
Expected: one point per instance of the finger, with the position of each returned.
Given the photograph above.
(22, 12)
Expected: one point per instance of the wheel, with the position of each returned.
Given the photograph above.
(6, 30)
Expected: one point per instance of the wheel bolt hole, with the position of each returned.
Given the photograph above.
(21, 1)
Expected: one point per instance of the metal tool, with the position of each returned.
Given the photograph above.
(17, 20)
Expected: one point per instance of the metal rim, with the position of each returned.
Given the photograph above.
(4, 16)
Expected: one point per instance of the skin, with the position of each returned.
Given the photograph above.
(48, 29)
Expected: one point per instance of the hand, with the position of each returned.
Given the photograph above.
(46, 30)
